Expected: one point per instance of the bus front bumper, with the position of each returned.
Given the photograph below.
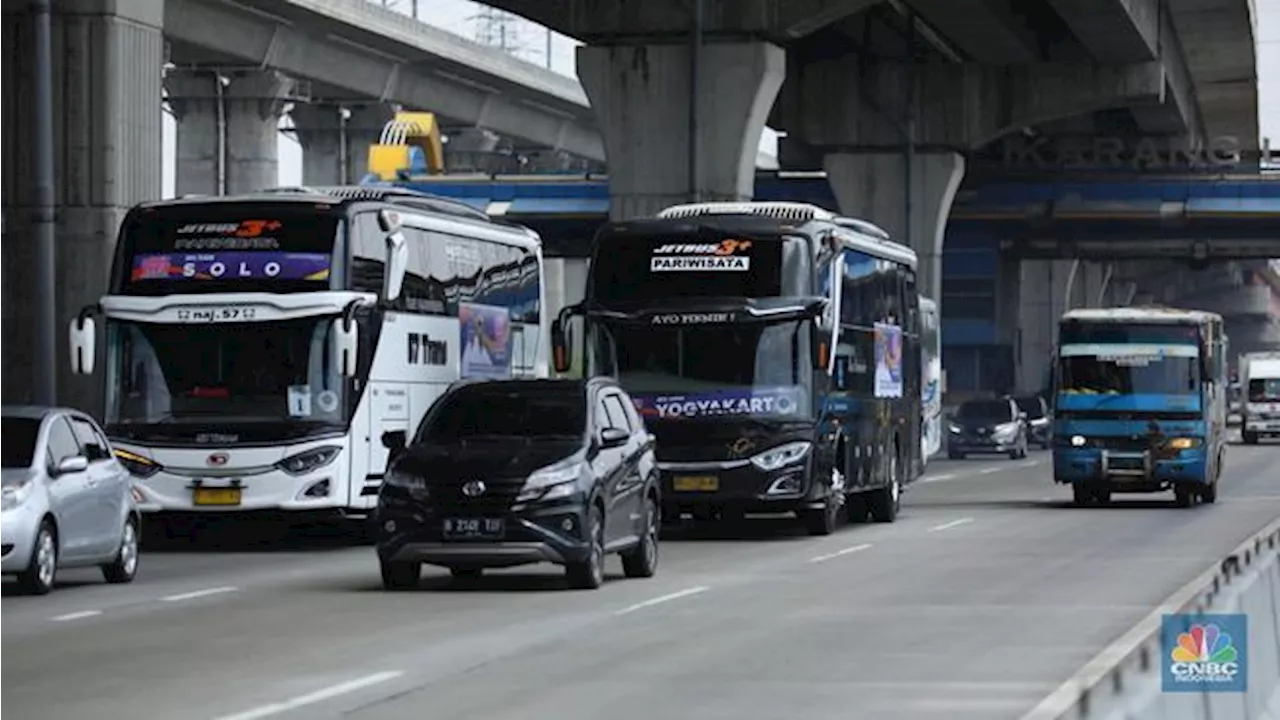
(1129, 471)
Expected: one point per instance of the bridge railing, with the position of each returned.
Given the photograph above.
(1124, 682)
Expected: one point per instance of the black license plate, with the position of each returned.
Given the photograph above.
(474, 528)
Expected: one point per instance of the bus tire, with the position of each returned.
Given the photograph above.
(1209, 493)
(884, 502)
(1081, 495)
(1250, 438)
(1183, 496)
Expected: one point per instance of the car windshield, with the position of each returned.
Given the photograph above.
(1031, 406)
(1264, 390)
(989, 410)
(755, 369)
(504, 410)
(19, 443)
(260, 379)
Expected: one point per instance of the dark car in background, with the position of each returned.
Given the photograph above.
(1039, 419)
(987, 426)
(504, 473)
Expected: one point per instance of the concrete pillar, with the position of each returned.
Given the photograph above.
(871, 186)
(107, 60)
(1042, 289)
(641, 94)
(335, 139)
(252, 102)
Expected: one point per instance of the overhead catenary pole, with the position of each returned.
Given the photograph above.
(695, 113)
(44, 370)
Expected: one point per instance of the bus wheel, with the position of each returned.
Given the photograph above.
(1250, 438)
(1081, 495)
(822, 521)
(884, 502)
(1182, 495)
(1209, 493)
(855, 508)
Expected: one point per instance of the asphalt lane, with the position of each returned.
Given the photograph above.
(986, 594)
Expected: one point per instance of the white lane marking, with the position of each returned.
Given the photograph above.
(1061, 700)
(1029, 464)
(664, 598)
(315, 697)
(988, 471)
(199, 593)
(838, 553)
(949, 525)
(76, 615)
(938, 478)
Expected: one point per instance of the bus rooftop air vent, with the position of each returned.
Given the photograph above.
(794, 212)
(392, 194)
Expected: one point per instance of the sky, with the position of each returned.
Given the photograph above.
(530, 41)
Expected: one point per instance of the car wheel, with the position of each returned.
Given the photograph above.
(588, 574)
(955, 455)
(399, 575)
(42, 570)
(125, 565)
(641, 561)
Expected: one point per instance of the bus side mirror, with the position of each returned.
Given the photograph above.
(820, 341)
(397, 263)
(84, 345)
(346, 343)
(559, 347)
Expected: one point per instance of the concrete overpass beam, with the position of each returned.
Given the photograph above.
(107, 57)
(335, 139)
(1177, 112)
(873, 186)
(833, 103)
(988, 31)
(641, 97)
(193, 98)
(255, 100)
(1114, 31)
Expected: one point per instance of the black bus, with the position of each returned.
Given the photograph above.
(770, 388)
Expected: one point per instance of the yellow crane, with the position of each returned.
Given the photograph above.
(410, 144)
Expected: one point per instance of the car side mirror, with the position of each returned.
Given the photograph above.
(613, 437)
(560, 347)
(73, 464)
(395, 440)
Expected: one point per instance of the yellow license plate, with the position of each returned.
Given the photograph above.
(696, 483)
(217, 496)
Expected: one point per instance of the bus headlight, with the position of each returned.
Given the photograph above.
(781, 456)
(1078, 441)
(305, 462)
(1182, 443)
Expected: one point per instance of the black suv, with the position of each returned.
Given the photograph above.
(511, 472)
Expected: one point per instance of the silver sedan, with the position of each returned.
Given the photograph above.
(67, 501)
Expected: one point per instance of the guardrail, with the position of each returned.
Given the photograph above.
(1124, 681)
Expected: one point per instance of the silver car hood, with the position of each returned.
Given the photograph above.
(10, 477)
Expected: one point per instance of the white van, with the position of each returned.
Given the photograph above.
(1260, 380)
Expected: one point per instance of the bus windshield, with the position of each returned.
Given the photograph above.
(756, 369)
(257, 382)
(227, 247)
(1134, 374)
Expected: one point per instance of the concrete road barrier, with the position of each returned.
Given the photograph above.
(1124, 681)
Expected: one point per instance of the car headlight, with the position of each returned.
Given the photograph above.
(551, 483)
(305, 462)
(781, 456)
(137, 465)
(954, 428)
(1182, 443)
(14, 495)
(414, 485)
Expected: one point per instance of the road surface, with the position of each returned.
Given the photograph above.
(986, 594)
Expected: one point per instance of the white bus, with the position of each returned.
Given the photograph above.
(259, 346)
(930, 379)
